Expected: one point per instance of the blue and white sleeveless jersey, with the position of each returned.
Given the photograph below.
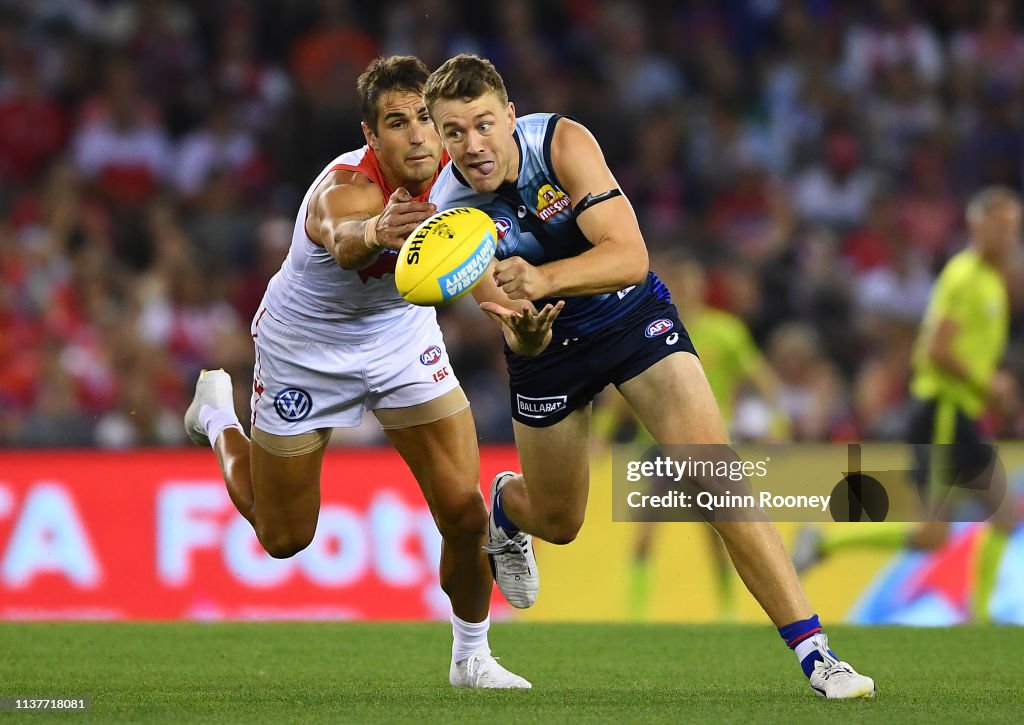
(535, 221)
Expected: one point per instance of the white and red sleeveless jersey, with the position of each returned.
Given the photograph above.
(314, 295)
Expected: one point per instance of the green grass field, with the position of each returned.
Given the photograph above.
(277, 672)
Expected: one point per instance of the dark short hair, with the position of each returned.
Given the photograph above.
(464, 77)
(403, 73)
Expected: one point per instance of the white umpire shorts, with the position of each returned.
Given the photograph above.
(301, 384)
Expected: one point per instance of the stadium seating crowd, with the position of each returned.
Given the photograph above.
(815, 155)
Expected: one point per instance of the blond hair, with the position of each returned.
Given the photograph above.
(464, 77)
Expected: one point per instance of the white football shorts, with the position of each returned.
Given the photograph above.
(301, 384)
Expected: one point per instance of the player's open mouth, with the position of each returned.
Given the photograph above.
(482, 167)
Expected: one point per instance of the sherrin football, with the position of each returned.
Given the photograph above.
(445, 256)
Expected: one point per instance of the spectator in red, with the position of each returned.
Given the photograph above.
(120, 144)
(869, 245)
(838, 191)
(257, 89)
(33, 126)
(742, 216)
(219, 145)
(929, 212)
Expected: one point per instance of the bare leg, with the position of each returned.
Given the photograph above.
(444, 458)
(232, 451)
(278, 495)
(673, 400)
(549, 499)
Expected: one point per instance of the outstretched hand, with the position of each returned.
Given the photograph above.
(527, 331)
(401, 215)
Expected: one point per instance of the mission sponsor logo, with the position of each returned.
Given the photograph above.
(551, 202)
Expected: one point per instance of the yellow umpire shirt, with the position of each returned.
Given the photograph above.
(971, 293)
(727, 352)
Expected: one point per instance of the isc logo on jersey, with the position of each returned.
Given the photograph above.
(551, 202)
(445, 256)
(658, 327)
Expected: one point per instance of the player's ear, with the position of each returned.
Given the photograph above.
(511, 112)
(369, 135)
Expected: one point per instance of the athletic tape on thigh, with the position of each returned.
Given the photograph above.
(448, 404)
(291, 446)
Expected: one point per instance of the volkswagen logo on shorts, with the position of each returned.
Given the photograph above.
(431, 355)
(293, 404)
(658, 327)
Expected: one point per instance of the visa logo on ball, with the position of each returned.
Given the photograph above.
(431, 355)
(658, 327)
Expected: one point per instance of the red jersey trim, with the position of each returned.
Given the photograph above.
(369, 167)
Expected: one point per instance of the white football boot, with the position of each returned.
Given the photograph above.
(512, 560)
(214, 389)
(481, 670)
(837, 680)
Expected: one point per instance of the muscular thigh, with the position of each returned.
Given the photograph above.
(443, 457)
(556, 463)
(673, 400)
(286, 491)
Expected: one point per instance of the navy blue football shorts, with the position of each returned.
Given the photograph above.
(565, 377)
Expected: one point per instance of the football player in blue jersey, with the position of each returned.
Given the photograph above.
(580, 310)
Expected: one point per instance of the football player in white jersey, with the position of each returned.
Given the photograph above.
(570, 244)
(334, 338)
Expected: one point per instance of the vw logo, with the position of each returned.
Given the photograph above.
(293, 404)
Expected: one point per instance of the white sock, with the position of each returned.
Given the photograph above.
(215, 420)
(468, 637)
(806, 647)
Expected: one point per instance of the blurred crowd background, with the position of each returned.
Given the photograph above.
(813, 158)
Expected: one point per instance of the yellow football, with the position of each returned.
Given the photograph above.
(445, 256)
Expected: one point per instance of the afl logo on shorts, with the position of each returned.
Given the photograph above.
(431, 355)
(658, 328)
(504, 225)
(293, 404)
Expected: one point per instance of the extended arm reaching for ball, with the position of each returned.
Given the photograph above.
(527, 331)
(352, 221)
